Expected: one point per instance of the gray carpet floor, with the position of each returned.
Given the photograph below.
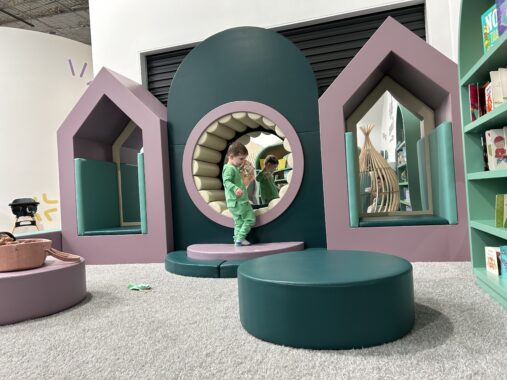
(189, 328)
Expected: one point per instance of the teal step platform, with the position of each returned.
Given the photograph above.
(177, 262)
(323, 299)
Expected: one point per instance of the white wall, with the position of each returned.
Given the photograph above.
(122, 29)
(37, 91)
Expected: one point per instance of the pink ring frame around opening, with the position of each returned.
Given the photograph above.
(290, 135)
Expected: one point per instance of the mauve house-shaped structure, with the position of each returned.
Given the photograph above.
(395, 52)
(109, 104)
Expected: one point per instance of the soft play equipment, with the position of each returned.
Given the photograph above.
(243, 79)
(114, 174)
(424, 81)
(33, 285)
(323, 299)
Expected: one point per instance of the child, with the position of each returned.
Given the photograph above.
(235, 193)
(267, 188)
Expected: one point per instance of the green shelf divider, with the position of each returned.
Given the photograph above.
(488, 226)
(492, 60)
(496, 118)
(487, 175)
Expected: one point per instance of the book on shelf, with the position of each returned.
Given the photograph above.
(503, 261)
(489, 20)
(503, 79)
(501, 211)
(482, 98)
(496, 84)
(488, 97)
(492, 259)
(501, 13)
(473, 99)
(497, 154)
(484, 152)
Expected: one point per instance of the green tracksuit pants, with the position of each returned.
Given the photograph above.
(244, 219)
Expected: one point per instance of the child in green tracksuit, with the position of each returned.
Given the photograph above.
(235, 193)
(267, 188)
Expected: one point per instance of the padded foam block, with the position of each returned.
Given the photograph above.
(97, 198)
(286, 145)
(212, 195)
(213, 142)
(201, 153)
(323, 299)
(279, 132)
(177, 262)
(221, 130)
(273, 203)
(207, 183)
(233, 123)
(268, 123)
(243, 118)
(290, 160)
(218, 206)
(205, 169)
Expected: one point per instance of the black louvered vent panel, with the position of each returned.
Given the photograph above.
(328, 46)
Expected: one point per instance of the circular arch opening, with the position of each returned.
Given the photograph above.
(205, 152)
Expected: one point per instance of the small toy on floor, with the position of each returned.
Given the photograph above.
(132, 286)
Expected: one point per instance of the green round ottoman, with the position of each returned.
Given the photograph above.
(327, 299)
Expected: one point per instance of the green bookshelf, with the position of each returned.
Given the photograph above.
(482, 186)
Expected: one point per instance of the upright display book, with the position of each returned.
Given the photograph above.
(503, 261)
(473, 98)
(489, 21)
(501, 8)
(492, 259)
(488, 97)
(497, 154)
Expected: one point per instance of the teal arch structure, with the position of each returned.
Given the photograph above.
(247, 64)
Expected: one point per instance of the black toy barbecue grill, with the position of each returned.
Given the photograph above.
(24, 208)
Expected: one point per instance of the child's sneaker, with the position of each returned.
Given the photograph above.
(241, 243)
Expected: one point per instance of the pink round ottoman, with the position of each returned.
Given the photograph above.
(54, 287)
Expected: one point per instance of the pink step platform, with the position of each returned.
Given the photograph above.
(230, 252)
(34, 293)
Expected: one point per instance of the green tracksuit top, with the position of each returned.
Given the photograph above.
(232, 180)
(267, 187)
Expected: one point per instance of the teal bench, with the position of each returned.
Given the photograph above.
(98, 200)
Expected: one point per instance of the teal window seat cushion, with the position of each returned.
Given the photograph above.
(405, 220)
(126, 230)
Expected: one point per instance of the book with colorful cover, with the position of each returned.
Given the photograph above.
(489, 21)
(488, 97)
(473, 98)
(501, 8)
(492, 259)
(503, 261)
(497, 154)
(501, 211)
(482, 99)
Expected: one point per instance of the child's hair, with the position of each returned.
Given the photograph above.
(270, 159)
(237, 149)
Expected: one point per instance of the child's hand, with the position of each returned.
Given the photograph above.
(238, 192)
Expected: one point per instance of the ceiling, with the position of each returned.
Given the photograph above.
(66, 18)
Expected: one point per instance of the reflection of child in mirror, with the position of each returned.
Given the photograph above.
(267, 188)
(236, 175)
(376, 200)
